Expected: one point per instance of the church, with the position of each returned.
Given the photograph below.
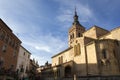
(92, 52)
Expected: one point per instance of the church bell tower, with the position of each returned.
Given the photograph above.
(75, 31)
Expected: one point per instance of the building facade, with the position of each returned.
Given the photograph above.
(92, 52)
(23, 62)
(9, 48)
(33, 69)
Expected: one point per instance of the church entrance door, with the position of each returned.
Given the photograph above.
(68, 71)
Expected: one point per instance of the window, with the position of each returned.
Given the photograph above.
(61, 59)
(9, 41)
(76, 41)
(16, 45)
(114, 53)
(2, 35)
(72, 35)
(22, 66)
(21, 69)
(4, 48)
(78, 49)
(117, 42)
(14, 53)
(79, 35)
(24, 53)
(11, 67)
(6, 38)
(27, 69)
(13, 44)
(104, 53)
(1, 61)
(75, 50)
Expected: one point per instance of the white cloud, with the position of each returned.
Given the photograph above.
(66, 11)
(65, 16)
(20, 15)
(47, 43)
(44, 48)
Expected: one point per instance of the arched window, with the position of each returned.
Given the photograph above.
(104, 54)
(79, 35)
(75, 50)
(78, 49)
(73, 35)
(60, 60)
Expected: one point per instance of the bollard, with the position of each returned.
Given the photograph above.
(75, 78)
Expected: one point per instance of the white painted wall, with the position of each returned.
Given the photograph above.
(23, 59)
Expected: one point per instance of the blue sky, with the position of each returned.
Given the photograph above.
(42, 25)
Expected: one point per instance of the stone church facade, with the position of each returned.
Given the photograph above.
(92, 52)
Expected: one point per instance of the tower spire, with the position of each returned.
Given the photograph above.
(75, 11)
(75, 18)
